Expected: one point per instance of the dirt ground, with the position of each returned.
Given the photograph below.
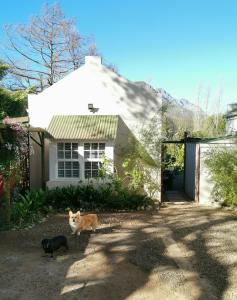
(181, 252)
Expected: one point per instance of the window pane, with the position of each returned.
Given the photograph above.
(68, 173)
(94, 146)
(74, 154)
(88, 165)
(87, 174)
(68, 165)
(75, 146)
(94, 154)
(94, 173)
(60, 146)
(60, 165)
(87, 146)
(95, 165)
(75, 173)
(75, 165)
(60, 173)
(86, 154)
(60, 154)
(102, 146)
(67, 146)
(67, 154)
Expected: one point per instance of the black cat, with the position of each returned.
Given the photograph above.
(51, 245)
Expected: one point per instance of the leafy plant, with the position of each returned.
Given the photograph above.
(106, 196)
(222, 165)
(174, 157)
(142, 159)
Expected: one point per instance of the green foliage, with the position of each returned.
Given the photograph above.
(29, 208)
(174, 157)
(12, 104)
(13, 153)
(141, 159)
(212, 126)
(13, 149)
(3, 69)
(104, 171)
(137, 164)
(222, 165)
(96, 196)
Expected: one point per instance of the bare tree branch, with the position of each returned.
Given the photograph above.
(46, 48)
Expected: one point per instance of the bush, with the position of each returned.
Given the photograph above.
(29, 208)
(222, 165)
(102, 197)
(106, 196)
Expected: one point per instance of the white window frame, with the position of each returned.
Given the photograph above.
(65, 160)
(92, 160)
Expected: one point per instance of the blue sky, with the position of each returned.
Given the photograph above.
(183, 46)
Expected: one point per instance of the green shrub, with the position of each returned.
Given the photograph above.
(222, 165)
(29, 208)
(103, 196)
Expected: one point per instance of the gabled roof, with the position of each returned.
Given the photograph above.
(83, 127)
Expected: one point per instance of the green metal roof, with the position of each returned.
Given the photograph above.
(83, 127)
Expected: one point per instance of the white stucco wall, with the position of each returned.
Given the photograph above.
(94, 83)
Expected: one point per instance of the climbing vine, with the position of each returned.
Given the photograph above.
(142, 159)
(13, 154)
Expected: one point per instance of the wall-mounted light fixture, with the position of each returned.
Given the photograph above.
(92, 108)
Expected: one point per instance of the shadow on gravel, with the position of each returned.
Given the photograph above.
(129, 253)
(114, 262)
(195, 228)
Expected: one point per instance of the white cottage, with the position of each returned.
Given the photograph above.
(88, 115)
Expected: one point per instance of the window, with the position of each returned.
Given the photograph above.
(94, 150)
(92, 169)
(67, 150)
(68, 164)
(93, 154)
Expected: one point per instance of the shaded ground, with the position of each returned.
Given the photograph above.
(182, 252)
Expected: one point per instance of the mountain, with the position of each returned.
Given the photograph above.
(168, 99)
(183, 103)
(181, 113)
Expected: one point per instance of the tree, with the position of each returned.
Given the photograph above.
(214, 126)
(3, 69)
(12, 104)
(210, 128)
(46, 49)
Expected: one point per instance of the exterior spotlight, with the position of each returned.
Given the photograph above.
(92, 108)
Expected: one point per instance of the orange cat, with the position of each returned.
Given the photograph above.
(79, 223)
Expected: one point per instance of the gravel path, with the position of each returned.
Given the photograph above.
(209, 238)
(184, 252)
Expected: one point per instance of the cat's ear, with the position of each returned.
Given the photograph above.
(78, 213)
(70, 213)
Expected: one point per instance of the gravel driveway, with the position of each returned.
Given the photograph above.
(182, 252)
